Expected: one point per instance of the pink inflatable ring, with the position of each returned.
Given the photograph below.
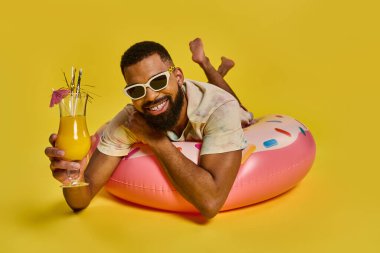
(280, 152)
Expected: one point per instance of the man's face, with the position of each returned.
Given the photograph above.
(161, 108)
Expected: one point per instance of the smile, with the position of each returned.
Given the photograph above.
(158, 108)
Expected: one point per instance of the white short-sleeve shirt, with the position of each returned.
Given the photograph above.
(215, 118)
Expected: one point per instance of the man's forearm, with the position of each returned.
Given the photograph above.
(214, 77)
(96, 175)
(196, 184)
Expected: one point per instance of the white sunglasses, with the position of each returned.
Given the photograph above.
(157, 82)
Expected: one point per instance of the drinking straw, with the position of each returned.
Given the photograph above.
(78, 89)
(72, 88)
(73, 71)
(67, 83)
(79, 79)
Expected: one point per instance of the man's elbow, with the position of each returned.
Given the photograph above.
(78, 198)
(77, 207)
(210, 209)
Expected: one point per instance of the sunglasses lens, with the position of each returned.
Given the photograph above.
(159, 82)
(136, 92)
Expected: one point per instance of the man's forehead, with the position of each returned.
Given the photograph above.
(142, 71)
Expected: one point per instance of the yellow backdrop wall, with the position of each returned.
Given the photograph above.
(316, 60)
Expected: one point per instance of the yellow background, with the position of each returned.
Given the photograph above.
(316, 60)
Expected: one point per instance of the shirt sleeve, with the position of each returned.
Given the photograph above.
(116, 140)
(223, 131)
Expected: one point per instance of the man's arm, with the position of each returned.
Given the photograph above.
(205, 186)
(97, 173)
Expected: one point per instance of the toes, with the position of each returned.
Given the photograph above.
(196, 44)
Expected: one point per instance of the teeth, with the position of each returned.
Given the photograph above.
(158, 107)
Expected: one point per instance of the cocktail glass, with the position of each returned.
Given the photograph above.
(73, 136)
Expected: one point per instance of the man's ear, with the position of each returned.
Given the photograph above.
(179, 76)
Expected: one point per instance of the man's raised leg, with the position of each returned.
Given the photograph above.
(225, 66)
(214, 76)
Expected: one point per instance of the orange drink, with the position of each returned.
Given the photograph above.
(73, 137)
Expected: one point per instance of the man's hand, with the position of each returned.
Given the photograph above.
(97, 173)
(60, 167)
(139, 127)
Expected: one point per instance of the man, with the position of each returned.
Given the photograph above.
(167, 107)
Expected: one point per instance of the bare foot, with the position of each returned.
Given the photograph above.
(225, 66)
(198, 54)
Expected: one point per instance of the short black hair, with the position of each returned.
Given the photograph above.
(141, 50)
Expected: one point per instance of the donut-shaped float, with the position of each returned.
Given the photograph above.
(280, 152)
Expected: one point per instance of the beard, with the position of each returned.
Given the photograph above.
(166, 120)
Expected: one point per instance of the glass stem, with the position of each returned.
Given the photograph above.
(73, 176)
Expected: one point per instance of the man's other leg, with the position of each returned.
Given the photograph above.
(214, 76)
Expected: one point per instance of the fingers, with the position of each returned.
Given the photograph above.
(58, 166)
(64, 165)
(130, 110)
(60, 175)
(52, 152)
(52, 139)
(60, 169)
